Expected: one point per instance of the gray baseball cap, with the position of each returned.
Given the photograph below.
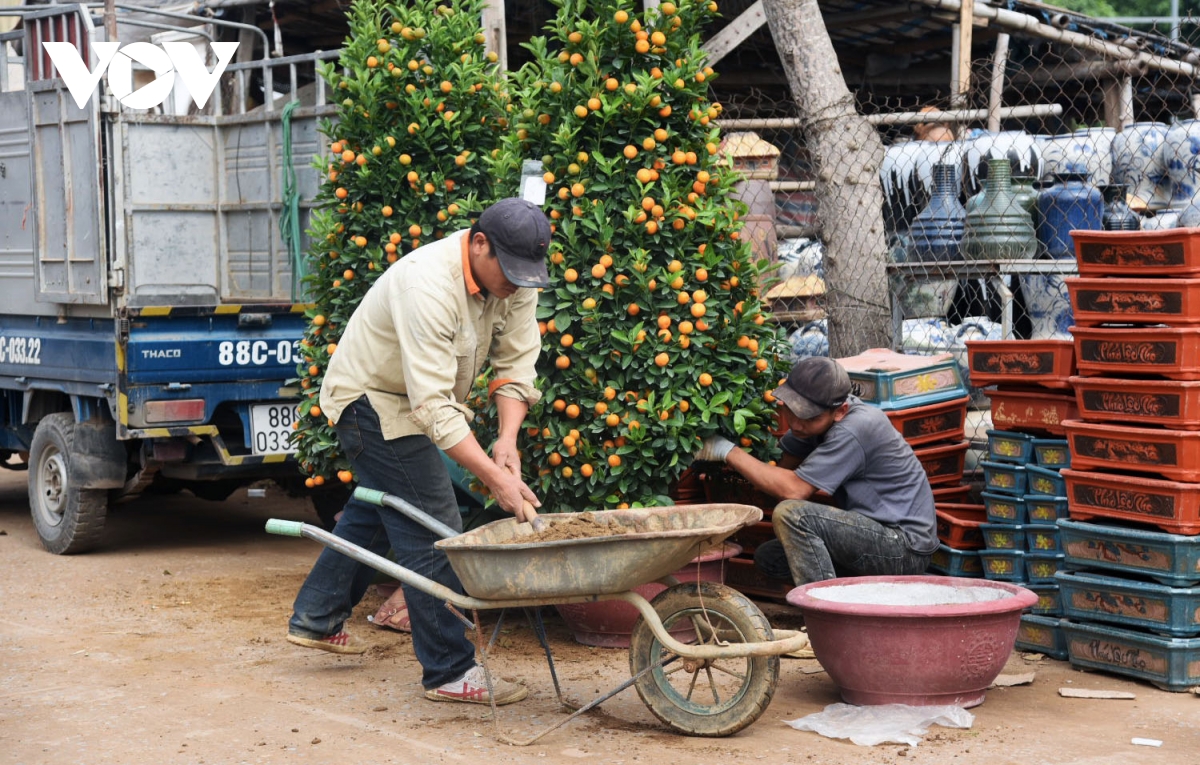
(815, 385)
(519, 235)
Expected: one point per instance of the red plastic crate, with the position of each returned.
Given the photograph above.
(1173, 506)
(958, 525)
(1174, 454)
(1172, 352)
(1169, 252)
(1021, 362)
(944, 421)
(1169, 403)
(943, 463)
(1025, 410)
(1134, 301)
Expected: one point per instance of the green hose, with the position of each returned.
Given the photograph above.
(289, 218)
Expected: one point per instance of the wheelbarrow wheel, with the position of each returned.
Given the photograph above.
(704, 697)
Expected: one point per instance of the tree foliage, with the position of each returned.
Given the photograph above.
(654, 335)
(421, 108)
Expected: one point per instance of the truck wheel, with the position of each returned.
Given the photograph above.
(68, 519)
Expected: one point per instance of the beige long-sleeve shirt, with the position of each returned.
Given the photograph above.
(419, 338)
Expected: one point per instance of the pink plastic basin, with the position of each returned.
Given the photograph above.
(920, 640)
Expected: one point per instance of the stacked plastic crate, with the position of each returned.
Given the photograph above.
(1131, 598)
(1024, 494)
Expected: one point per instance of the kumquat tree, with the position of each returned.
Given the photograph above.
(421, 108)
(654, 335)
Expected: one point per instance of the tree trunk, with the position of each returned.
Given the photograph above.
(846, 153)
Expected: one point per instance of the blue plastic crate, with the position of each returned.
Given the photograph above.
(1172, 559)
(1003, 565)
(1007, 446)
(1049, 599)
(1003, 508)
(891, 380)
(1040, 568)
(1039, 480)
(1173, 611)
(1052, 453)
(1043, 509)
(1042, 538)
(1004, 478)
(951, 562)
(1042, 634)
(1003, 536)
(1172, 664)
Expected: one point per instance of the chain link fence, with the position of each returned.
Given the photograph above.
(1071, 136)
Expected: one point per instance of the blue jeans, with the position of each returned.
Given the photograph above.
(818, 542)
(412, 469)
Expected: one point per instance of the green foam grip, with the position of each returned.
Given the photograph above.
(285, 528)
(370, 496)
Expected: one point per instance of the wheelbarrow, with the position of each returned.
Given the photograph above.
(702, 656)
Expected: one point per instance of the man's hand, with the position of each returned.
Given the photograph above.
(715, 449)
(504, 454)
(511, 494)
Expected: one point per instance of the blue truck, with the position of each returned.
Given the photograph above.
(149, 321)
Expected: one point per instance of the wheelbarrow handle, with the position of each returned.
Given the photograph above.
(383, 499)
(285, 528)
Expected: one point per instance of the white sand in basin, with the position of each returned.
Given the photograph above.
(916, 594)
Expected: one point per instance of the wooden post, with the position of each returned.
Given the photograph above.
(966, 27)
(110, 20)
(495, 30)
(996, 96)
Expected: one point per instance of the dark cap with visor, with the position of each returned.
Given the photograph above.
(815, 385)
(519, 235)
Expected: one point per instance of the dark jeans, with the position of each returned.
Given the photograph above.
(818, 542)
(412, 469)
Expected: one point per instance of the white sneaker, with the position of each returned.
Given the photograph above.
(471, 688)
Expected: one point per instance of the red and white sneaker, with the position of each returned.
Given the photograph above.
(341, 643)
(471, 688)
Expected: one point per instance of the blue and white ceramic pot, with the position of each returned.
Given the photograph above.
(1180, 152)
(802, 256)
(1162, 219)
(1048, 305)
(1138, 163)
(1021, 149)
(907, 178)
(1086, 151)
(810, 340)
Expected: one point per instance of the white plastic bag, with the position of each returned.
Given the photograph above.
(885, 723)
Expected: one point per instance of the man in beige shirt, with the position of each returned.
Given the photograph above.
(395, 387)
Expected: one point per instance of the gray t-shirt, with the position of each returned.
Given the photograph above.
(869, 468)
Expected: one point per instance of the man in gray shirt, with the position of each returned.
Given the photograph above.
(837, 444)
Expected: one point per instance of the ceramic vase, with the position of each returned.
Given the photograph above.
(907, 178)
(1137, 162)
(1070, 203)
(937, 230)
(810, 340)
(1118, 216)
(1180, 150)
(1048, 306)
(1020, 149)
(996, 226)
(1162, 219)
(1189, 217)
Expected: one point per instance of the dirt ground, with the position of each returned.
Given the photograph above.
(166, 646)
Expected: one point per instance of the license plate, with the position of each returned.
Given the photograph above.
(271, 428)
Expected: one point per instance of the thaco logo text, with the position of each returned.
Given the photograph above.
(172, 58)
